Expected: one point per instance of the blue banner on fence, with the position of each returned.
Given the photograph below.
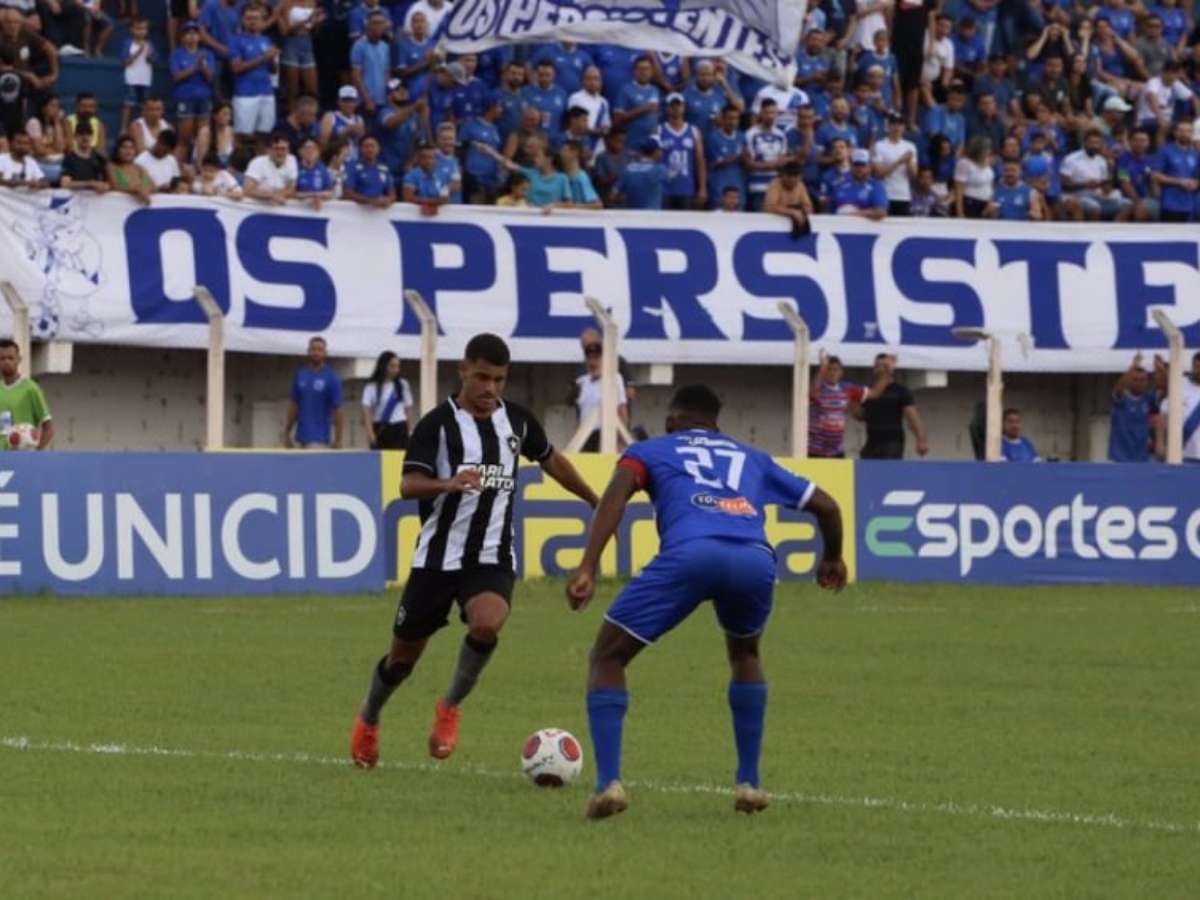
(1028, 523)
(161, 523)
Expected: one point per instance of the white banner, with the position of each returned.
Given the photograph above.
(684, 287)
(758, 37)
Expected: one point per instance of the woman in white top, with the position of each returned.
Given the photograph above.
(974, 180)
(387, 403)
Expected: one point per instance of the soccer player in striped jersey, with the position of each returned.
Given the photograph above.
(461, 465)
(708, 492)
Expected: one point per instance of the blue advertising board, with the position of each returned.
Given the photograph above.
(189, 523)
(1005, 524)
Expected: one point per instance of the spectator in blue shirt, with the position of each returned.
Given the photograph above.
(1014, 200)
(356, 18)
(838, 125)
(724, 150)
(482, 175)
(218, 24)
(1120, 18)
(579, 184)
(1013, 446)
(547, 98)
(1178, 176)
(445, 159)
(569, 61)
(370, 64)
(413, 55)
(970, 54)
(1134, 410)
(397, 126)
(996, 81)
(641, 184)
(314, 181)
(424, 184)
(447, 79)
(251, 55)
(861, 194)
(616, 66)
(1133, 176)
(707, 97)
(948, 119)
(472, 93)
(512, 104)
(683, 149)
(637, 106)
(367, 180)
(192, 70)
(316, 401)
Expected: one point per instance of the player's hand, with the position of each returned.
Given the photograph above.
(465, 480)
(831, 574)
(922, 447)
(580, 589)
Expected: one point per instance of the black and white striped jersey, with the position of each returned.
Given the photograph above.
(463, 530)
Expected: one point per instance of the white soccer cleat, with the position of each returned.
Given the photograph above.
(749, 799)
(608, 802)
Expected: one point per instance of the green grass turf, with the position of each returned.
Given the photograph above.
(970, 712)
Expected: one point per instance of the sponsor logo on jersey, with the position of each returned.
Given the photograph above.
(491, 477)
(730, 506)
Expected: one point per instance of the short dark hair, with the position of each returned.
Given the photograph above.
(489, 348)
(168, 139)
(9, 344)
(277, 136)
(792, 169)
(698, 401)
(1011, 411)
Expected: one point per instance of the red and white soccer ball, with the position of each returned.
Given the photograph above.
(551, 757)
(24, 437)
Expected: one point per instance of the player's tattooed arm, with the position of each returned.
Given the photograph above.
(419, 486)
(561, 470)
(607, 517)
(831, 570)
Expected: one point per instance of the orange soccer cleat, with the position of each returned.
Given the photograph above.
(364, 743)
(444, 737)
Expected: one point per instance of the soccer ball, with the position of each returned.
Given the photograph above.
(551, 757)
(44, 326)
(23, 437)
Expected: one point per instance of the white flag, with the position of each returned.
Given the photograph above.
(761, 45)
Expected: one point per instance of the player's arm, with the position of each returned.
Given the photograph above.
(831, 570)
(416, 484)
(624, 484)
(561, 470)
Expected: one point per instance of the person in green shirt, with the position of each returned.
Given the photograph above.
(21, 400)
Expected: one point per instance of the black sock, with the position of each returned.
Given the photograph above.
(384, 681)
(473, 656)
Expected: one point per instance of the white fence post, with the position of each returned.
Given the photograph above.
(20, 314)
(429, 336)
(215, 401)
(1174, 386)
(606, 419)
(800, 377)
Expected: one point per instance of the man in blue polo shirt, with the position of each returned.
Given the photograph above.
(642, 182)
(1178, 176)
(1133, 176)
(368, 181)
(860, 194)
(316, 400)
(1015, 447)
(251, 56)
(424, 184)
(569, 61)
(547, 98)
(1134, 409)
(637, 106)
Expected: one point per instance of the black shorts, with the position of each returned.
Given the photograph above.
(393, 436)
(429, 594)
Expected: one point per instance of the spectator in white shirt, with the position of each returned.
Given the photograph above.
(938, 67)
(215, 181)
(787, 100)
(1156, 102)
(18, 168)
(387, 405)
(1087, 181)
(434, 10)
(587, 391)
(589, 97)
(975, 180)
(895, 161)
(160, 164)
(272, 176)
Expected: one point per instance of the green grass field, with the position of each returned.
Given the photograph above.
(921, 742)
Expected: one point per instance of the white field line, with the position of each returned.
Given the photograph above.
(948, 808)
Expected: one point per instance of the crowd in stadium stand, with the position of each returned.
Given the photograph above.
(1008, 109)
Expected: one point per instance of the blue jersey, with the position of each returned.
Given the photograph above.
(703, 107)
(316, 393)
(721, 145)
(644, 125)
(679, 155)
(1020, 450)
(254, 82)
(1136, 170)
(568, 64)
(705, 485)
(1129, 437)
(550, 102)
(313, 180)
(642, 183)
(1014, 201)
(368, 179)
(195, 86)
(1178, 162)
(867, 194)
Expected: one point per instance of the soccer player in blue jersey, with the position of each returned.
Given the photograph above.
(708, 492)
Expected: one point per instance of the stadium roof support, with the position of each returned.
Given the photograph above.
(429, 335)
(215, 399)
(800, 376)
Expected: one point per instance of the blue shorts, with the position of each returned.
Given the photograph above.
(738, 577)
(136, 94)
(193, 109)
(298, 52)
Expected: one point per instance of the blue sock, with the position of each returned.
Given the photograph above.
(606, 716)
(748, 702)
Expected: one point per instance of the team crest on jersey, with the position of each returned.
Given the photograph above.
(514, 444)
(491, 477)
(730, 506)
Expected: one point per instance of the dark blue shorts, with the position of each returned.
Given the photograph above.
(738, 577)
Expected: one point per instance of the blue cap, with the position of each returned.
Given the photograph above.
(649, 145)
(1036, 166)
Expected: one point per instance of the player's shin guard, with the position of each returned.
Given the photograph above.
(384, 681)
(606, 718)
(748, 702)
(472, 657)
